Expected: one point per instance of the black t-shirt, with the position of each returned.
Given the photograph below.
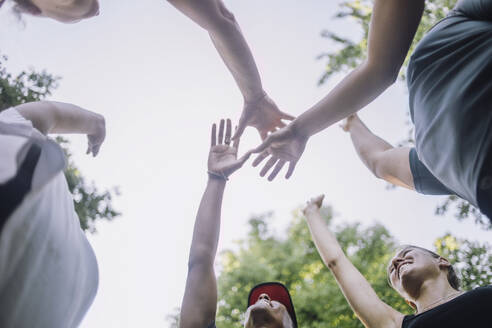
(470, 310)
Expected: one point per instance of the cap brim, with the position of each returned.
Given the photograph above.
(277, 292)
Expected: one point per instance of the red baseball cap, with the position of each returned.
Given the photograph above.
(277, 292)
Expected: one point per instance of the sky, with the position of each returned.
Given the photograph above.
(160, 84)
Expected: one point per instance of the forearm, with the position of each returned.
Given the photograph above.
(355, 91)
(356, 289)
(57, 117)
(367, 145)
(328, 247)
(226, 35)
(207, 224)
(236, 54)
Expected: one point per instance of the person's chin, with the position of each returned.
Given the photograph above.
(260, 314)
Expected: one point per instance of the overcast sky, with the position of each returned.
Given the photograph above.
(159, 82)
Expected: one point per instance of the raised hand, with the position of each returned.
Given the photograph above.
(282, 146)
(313, 205)
(222, 159)
(262, 114)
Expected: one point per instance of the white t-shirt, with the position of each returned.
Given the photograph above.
(48, 270)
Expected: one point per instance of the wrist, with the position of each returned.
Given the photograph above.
(255, 98)
(297, 130)
(98, 123)
(219, 176)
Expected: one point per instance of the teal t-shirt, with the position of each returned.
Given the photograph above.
(450, 90)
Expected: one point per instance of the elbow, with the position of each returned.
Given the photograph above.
(200, 259)
(382, 74)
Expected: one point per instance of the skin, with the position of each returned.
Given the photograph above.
(416, 275)
(382, 159)
(392, 29)
(68, 11)
(267, 313)
(259, 110)
(200, 298)
(56, 117)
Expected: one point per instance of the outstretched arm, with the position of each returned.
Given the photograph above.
(200, 298)
(259, 110)
(382, 159)
(57, 117)
(392, 28)
(364, 301)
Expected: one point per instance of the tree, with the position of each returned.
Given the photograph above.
(90, 203)
(348, 54)
(318, 301)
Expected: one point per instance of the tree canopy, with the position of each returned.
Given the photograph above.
(91, 204)
(293, 260)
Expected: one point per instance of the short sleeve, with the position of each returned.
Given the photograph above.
(212, 325)
(475, 9)
(17, 123)
(425, 183)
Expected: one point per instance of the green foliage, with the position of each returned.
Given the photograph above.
(25, 87)
(294, 261)
(472, 259)
(90, 203)
(349, 54)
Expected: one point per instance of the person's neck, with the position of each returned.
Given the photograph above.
(433, 293)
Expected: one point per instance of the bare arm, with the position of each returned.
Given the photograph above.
(200, 298)
(382, 159)
(392, 28)
(259, 110)
(364, 301)
(57, 117)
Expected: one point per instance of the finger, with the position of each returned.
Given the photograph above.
(260, 157)
(214, 137)
(245, 157)
(227, 140)
(264, 145)
(221, 132)
(88, 149)
(268, 165)
(95, 150)
(263, 135)
(319, 200)
(281, 124)
(292, 166)
(276, 169)
(235, 143)
(240, 129)
(286, 116)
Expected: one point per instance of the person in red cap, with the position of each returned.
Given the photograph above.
(269, 304)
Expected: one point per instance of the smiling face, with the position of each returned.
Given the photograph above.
(267, 313)
(411, 267)
(67, 11)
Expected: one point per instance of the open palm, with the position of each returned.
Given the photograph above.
(222, 159)
(282, 146)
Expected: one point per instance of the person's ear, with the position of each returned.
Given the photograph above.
(444, 263)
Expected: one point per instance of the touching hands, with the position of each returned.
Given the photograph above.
(222, 159)
(95, 139)
(262, 114)
(284, 145)
(313, 205)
